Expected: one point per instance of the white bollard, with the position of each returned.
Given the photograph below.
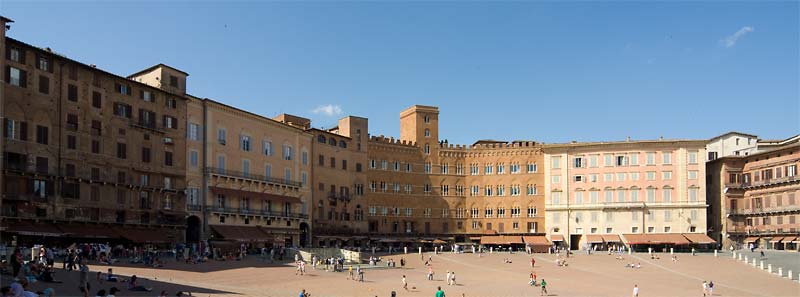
(630, 251)
(491, 250)
(780, 271)
(762, 265)
(671, 251)
(420, 250)
(789, 274)
(650, 250)
(745, 259)
(740, 256)
(715, 253)
(754, 262)
(769, 268)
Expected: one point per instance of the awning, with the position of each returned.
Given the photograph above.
(242, 233)
(789, 239)
(32, 229)
(656, 238)
(556, 237)
(388, 240)
(252, 194)
(501, 239)
(611, 238)
(88, 231)
(751, 239)
(536, 240)
(438, 241)
(699, 238)
(140, 235)
(594, 238)
(776, 239)
(474, 238)
(489, 232)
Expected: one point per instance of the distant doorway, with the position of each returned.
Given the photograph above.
(193, 229)
(303, 234)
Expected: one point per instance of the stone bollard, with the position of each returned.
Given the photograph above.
(715, 253)
(630, 251)
(762, 265)
(650, 251)
(671, 251)
(745, 259)
(754, 262)
(780, 271)
(769, 268)
(420, 250)
(789, 274)
(740, 256)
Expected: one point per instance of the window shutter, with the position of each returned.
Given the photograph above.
(23, 78)
(22, 56)
(8, 53)
(129, 90)
(49, 189)
(23, 131)
(8, 74)
(30, 186)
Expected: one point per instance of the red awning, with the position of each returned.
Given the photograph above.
(242, 233)
(556, 237)
(594, 238)
(611, 238)
(776, 239)
(699, 238)
(142, 235)
(751, 239)
(88, 231)
(536, 240)
(501, 240)
(32, 228)
(656, 238)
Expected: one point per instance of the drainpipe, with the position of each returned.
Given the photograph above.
(204, 186)
(569, 211)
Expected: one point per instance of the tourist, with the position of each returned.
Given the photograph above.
(112, 292)
(711, 288)
(303, 293)
(448, 277)
(350, 273)
(110, 276)
(405, 283)
(16, 262)
(544, 287)
(533, 262)
(531, 282)
(453, 278)
(635, 290)
(705, 288)
(101, 293)
(133, 285)
(83, 283)
(439, 292)
(361, 275)
(402, 262)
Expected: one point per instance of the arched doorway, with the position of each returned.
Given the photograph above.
(192, 229)
(303, 234)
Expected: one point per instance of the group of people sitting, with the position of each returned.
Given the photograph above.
(631, 265)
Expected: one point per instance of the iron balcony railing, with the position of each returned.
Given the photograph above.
(260, 212)
(246, 175)
(763, 182)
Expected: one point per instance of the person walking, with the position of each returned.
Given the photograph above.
(350, 273)
(439, 292)
(711, 288)
(405, 283)
(635, 290)
(705, 288)
(453, 278)
(430, 273)
(531, 282)
(533, 262)
(448, 277)
(544, 287)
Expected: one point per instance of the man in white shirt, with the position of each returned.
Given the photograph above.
(635, 290)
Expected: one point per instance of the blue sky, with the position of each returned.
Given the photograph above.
(545, 71)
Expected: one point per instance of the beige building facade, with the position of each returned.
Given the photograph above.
(631, 187)
(248, 177)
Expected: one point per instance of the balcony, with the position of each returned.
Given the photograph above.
(194, 207)
(339, 196)
(765, 210)
(257, 212)
(763, 182)
(152, 126)
(250, 176)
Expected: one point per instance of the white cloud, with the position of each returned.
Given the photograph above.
(730, 41)
(329, 110)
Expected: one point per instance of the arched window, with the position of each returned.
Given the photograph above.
(332, 141)
(321, 139)
(342, 144)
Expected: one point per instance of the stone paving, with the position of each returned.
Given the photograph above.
(788, 260)
(488, 275)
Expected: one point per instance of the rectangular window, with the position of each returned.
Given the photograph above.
(16, 77)
(222, 136)
(693, 174)
(123, 110)
(167, 158)
(634, 159)
(244, 143)
(72, 92)
(72, 142)
(121, 151)
(15, 54)
(608, 160)
(666, 175)
(42, 134)
(268, 170)
(194, 158)
(651, 175)
(593, 161)
(287, 152)
(666, 158)
(651, 195)
(44, 84)
(667, 196)
(147, 96)
(145, 155)
(194, 131)
(693, 157)
(622, 160)
(651, 158)
(95, 146)
(555, 162)
(170, 122)
(266, 146)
